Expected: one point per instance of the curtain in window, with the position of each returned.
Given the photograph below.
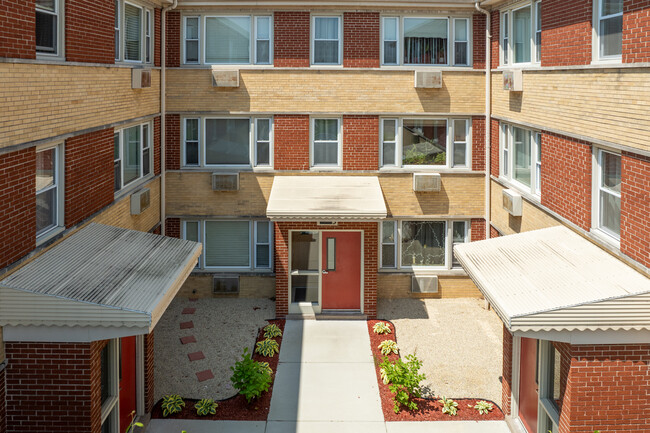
(227, 141)
(227, 243)
(132, 32)
(227, 39)
(425, 41)
(326, 40)
(522, 34)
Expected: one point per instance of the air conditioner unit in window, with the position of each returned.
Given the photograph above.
(225, 181)
(428, 79)
(424, 284)
(513, 80)
(225, 77)
(225, 284)
(426, 182)
(140, 78)
(512, 202)
(140, 201)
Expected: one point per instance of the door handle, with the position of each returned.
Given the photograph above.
(325, 272)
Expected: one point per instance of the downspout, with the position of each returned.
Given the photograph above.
(488, 113)
(163, 49)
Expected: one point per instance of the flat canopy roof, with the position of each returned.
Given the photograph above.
(101, 276)
(326, 198)
(555, 280)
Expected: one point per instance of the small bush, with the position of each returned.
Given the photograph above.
(381, 328)
(267, 347)
(449, 406)
(387, 347)
(404, 379)
(272, 331)
(250, 377)
(205, 407)
(172, 404)
(483, 407)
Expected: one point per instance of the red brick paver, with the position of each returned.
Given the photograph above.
(188, 339)
(195, 356)
(204, 375)
(187, 325)
(188, 311)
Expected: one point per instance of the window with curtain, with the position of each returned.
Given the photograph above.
(227, 141)
(610, 28)
(227, 244)
(47, 26)
(423, 243)
(609, 193)
(522, 34)
(425, 41)
(132, 32)
(326, 142)
(326, 40)
(424, 142)
(227, 40)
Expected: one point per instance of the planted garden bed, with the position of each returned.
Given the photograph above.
(429, 409)
(234, 408)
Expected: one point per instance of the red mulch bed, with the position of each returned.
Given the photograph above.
(429, 409)
(234, 408)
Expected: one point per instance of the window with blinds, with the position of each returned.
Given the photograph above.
(132, 32)
(227, 40)
(227, 244)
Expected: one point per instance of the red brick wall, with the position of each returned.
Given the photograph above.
(565, 367)
(566, 178)
(478, 48)
(494, 233)
(566, 32)
(3, 407)
(149, 372)
(17, 205)
(636, 31)
(635, 207)
(173, 227)
(156, 145)
(370, 263)
(291, 137)
(495, 30)
(494, 147)
(291, 39)
(478, 229)
(506, 372)
(96, 348)
(172, 141)
(89, 174)
(156, 36)
(478, 143)
(360, 142)
(361, 39)
(173, 39)
(90, 31)
(17, 29)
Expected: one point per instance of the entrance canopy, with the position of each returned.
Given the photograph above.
(108, 281)
(555, 280)
(328, 198)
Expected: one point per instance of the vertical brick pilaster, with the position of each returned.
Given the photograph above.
(566, 32)
(156, 36)
(18, 29)
(506, 373)
(173, 39)
(361, 40)
(478, 143)
(494, 147)
(173, 227)
(635, 207)
(172, 142)
(149, 372)
(495, 30)
(478, 38)
(360, 142)
(636, 31)
(291, 141)
(291, 39)
(90, 31)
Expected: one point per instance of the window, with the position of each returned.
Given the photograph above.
(47, 26)
(505, 36)
(147, 37)
(425, 41)
(610, 29)
(227, 40)
(389, 142)
(192, 30)
(538, 31)
(232, 244)
(132, 32)
(390, 37)
(388, 244)
(461, 42)
(461, 132)
(521, 158)
(227, 141)
(459, 236)
(49, 192)
(117, 29)
(326, 46)
(263, 143)
(263, 40)
(549, 379)
(192, 153)
(424, 142)
(521, 21)
(521, 34)
(608, 205)
(109, 386)
(326, 143)
(132, 154)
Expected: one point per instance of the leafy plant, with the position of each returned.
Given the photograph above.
(449, 406)
(381, 328)
(206, 406)
(483, 407)
(383, 375)
(250, 377)
(172, 404)
(272, 331)
(387, 347)
(131, 427)
(404, 379)
(267, 347)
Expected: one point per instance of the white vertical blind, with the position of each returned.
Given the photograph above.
(227, 243)
(132, 32)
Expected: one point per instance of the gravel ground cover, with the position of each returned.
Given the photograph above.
(222, 328)
(459, 342)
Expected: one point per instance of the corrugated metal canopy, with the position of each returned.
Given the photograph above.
(326, 198)
(555, 280)
(101, 276)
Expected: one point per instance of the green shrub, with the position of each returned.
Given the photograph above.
(404, 381)
(483, 407)
(387, 347)
(172, 404)
(449, 406)
(267, 347)
(205, 407)
(272, 331)
(250, 377)
(381, 328)
(132, 425)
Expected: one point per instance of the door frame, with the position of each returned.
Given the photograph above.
(294, 307)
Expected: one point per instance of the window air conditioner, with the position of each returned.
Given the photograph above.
(513, 80)
(225, 77)
(424, 284)
(426, 182)
(225, 181)
(140, 201)
(428, 79)
(512, 202)
(225, 284)
(140, 78)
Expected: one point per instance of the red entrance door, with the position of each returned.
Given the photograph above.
(341, 282)
(528, 388)
(127, 381)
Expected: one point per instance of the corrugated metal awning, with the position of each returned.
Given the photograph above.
(555, 280)
(326, 198)
(101, 276)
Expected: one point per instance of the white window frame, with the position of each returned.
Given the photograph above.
(252, 49)
(597, 56)
(538, 31)
(186, 39)
(148, 36)
(505, 39)
(449, 41)
(507, 156)
(59, 177)
(198, 141)
(453, 142)
(118, 30)
(313, 39)
(450, 235)
(141, 176)
(397, 40)
(395, 141)
(142, 32)
(507, 53)
(545, 402)
(203, 152)
(339, 142)
(468, 35)
(270, 39)
(59, 12)
(596, 226)
(256, 140)
(111, 408)
(256, 243)
(199, 236)
(394, 244)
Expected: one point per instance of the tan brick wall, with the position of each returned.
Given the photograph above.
(603, 104)
(40, 101)
(119, 215)
(250, 286)
(190, 193)
(532, 218)
(399, 286)
(322, 91)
